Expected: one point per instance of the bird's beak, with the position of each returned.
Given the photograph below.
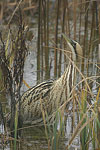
(74, 46)
(70, 42)
(66, 38)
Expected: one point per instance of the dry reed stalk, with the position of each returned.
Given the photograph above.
(68, 19)
(74, 15)
(99, 19)
(17, 7)
(98, 108)
(38, 44)
(1, 10)
(47, 73)
(42, 40)
(68, 31)
(63, 25)
(56, 38)
(80, 21)
(44, 5)
(92, 34)
(79, 128)
(99, 70)
(85, 48)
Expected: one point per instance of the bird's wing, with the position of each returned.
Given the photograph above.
(39, 91)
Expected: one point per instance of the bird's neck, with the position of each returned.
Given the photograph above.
(69, 77)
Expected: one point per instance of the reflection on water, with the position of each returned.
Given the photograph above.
(34, 138)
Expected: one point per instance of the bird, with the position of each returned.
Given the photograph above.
(49, 95)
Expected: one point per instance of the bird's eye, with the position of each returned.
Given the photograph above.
(73, 44)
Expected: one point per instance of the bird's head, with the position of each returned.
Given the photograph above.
(75, 48)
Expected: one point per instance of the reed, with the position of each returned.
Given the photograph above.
(12, 64)
(38, 44)
(87, 126)
(61, 43)
(74, 17)
(56, 37)
(47, 68)
(15, 134)
(80, 20)
(84, 136)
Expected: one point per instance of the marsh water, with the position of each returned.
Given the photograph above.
(34, 137)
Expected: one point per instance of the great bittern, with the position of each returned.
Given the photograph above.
(48, 96)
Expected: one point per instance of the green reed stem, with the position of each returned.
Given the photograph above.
(16, 123)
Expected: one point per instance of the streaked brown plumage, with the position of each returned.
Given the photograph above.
(49, 95)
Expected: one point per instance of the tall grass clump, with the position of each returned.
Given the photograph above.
(12, 57)
(15, 129)
(84, 133)
(89, 122)
(55, 129)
